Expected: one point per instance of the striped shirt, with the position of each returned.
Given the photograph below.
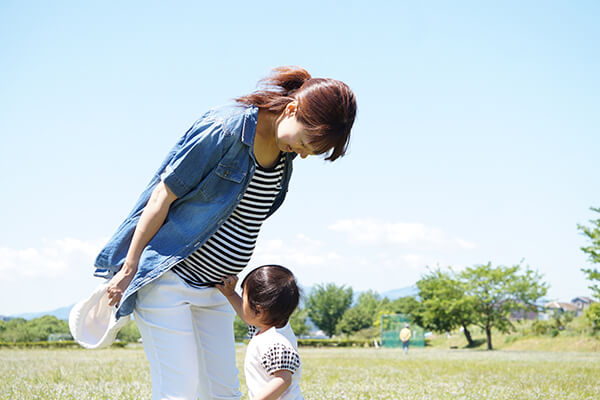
(229, 249)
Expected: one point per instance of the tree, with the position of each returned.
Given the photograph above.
(369, 302)
(593, 316)
(445, 304)
(35, 330)
(593, 250)
(497, 292)
(410, 307)
(298, 322)
(129, 333)
(355, 319)
(327, 304)
(14, 330)
(363, 315)
(240, 329)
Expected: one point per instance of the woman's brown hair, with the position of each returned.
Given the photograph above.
(326, 107)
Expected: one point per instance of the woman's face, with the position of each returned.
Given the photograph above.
(291, 135)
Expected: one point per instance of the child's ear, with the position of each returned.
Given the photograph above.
(260, 312)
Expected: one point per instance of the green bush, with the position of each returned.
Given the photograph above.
(542, 327)
(129, 333)
(511, 339)
(592, 315)
(40, 344)
(370, 333)
(37, 329)
(335, 342)
(50, 345)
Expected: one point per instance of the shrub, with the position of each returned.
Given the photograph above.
(592, 314)
(542, 327)
(335, 342)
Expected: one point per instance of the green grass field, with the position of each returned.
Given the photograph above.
(361, 373)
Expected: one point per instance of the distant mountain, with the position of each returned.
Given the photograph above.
(60, 313)
(63, 312)
(402, 292)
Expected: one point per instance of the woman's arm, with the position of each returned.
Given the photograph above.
(282, 380)
(150, 221)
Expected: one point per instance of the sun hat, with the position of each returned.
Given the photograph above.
(93, 322)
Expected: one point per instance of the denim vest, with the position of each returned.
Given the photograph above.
(208, 170)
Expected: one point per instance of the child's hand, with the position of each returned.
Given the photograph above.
(228, 285)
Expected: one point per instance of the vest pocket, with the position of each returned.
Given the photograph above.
(230, 172)
(223, 184)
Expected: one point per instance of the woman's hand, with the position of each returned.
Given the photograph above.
(228, 285)
(119, 283)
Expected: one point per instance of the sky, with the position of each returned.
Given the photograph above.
(476, 139)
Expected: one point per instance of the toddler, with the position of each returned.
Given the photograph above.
(272, 365)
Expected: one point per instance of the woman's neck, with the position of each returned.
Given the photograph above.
(265, 149)
(266, 126)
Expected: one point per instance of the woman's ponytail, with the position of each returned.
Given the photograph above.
(288, 79)
(278, 89)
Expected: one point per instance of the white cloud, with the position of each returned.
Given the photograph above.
(313, 261)
(52, 259)
(302, 250)
(406, 234)
(363, 253)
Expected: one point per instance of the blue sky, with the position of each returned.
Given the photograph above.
(476, 140)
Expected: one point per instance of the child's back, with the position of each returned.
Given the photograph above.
(273, 350)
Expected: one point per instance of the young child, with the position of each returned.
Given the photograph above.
(272, 365)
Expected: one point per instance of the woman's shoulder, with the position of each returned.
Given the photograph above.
(230, 110)
(233, 116)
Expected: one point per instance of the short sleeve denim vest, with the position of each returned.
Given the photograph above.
(208, 170)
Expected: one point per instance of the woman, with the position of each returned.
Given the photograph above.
(198, 219)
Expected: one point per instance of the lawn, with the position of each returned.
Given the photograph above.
(361, 373)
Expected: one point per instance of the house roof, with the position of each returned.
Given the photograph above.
(584, 299)
(562, 306)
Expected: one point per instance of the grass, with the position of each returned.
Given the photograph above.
(360, 373)
(449, 374)
(576, 336)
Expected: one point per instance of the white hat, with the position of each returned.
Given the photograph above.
(93, 322)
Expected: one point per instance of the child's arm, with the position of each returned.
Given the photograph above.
(228, 290)
(282, 380)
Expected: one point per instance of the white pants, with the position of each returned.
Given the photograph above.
(188, 339)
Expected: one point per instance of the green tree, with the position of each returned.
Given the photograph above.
(593, 250)
(240, 329)
(369, 302)
(499, 291)
(445, 304)
(355, 319)
(363, 315)
(298, 321)
(593, 316)
(410, 307)
(327, 304)
(35, 330)
(129, 333)
(14, 330)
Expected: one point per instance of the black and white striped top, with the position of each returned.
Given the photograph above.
(230, 248)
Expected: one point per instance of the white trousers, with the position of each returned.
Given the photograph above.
(188, 338)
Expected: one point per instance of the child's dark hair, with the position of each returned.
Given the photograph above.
(273, 288)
